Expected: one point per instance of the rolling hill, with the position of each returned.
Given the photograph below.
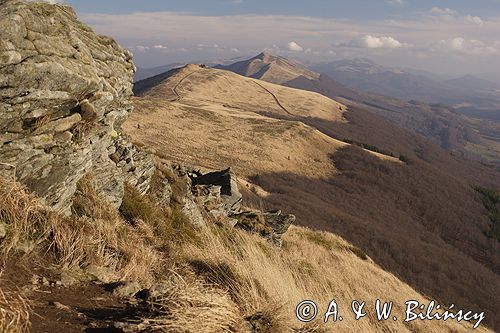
(144, 73)
(420, 219)
(246, 112)
(472, 137)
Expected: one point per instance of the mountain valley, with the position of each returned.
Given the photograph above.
(240, 195)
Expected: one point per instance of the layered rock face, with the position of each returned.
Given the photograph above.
(217, 193)
(227, 184)
(64, 94)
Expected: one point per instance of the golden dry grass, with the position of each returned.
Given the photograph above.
(223, 89)
(26, 218)
(193, 307)
(224, 279)
(98, 238)
(14, 312)
(286, 70)
(221, 119)
(248, 142)
(312, 265)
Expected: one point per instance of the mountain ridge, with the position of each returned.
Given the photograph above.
(365, 195)
(123, 213)
(412, 85)
(442, 123)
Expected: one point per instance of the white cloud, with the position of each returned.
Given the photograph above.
(160, 47)
(142, 48)
(293, 46)
(468, 46)
(386, 42)
(235, 50)
(373, 42)
(474, 19)
(208, 46)
(449, 15)
(443, 11)
(443, 14)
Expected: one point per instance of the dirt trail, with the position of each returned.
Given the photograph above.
(178, 95)
(174, 89)
(275, 98)
(82, 307)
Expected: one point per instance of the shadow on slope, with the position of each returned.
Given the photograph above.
(429, 233)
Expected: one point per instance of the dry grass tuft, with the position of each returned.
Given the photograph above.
(268, 320)
(267, 283)
(83, 128)
(96, 235)
(193, 307)
(88, 202)
(42, 121)
(14, 313)
(314, 327)
(170, 226)
(231, 259)
(28, 222)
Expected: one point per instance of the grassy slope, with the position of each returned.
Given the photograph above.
(418, 220)
(240, 120)
(216, 279)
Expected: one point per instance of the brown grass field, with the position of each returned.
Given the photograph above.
(420, 220)
(213, 281)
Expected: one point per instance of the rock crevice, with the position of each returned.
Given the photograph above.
(64, 94)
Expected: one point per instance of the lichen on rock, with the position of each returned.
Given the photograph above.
(64, 94)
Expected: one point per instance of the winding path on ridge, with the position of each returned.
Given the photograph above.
(178, 95)
(275, 98)
(174, 89)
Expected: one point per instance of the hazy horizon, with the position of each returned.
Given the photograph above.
(443, 37)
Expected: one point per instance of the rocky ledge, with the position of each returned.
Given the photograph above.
(217, 195)
(64, 94)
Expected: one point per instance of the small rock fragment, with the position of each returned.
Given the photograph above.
(128, 289)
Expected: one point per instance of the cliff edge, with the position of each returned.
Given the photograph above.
(64, 94)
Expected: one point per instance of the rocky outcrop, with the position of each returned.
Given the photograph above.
(228, 187)
(64, 94)
(217, 194)
(270, 225)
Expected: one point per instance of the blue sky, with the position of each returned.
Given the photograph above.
(361, 9)
(448, 36)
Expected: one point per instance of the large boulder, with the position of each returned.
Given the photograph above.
(218, 195)
(228, 183)
(64, 94)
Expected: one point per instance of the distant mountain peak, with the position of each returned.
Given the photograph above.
(270, 67)
(367, 61)
(264, 54)
(268, 57)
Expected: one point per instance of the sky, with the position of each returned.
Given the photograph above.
(440, 36)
